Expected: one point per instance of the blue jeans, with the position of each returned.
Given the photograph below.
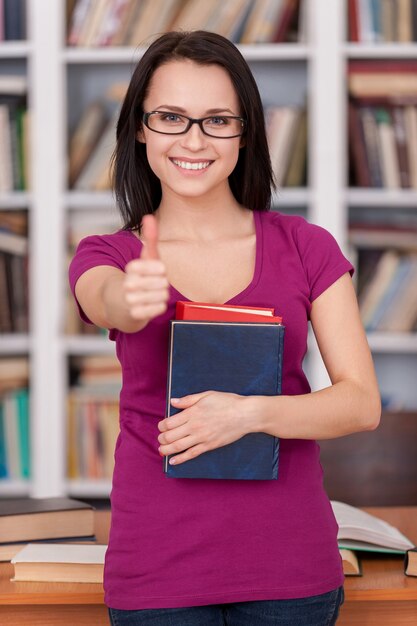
(321, 610)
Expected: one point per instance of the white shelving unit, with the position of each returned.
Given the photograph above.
(318, 67)
(17, 55)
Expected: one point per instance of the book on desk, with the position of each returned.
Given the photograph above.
(24, 520)
(210, 351)
(360, 532)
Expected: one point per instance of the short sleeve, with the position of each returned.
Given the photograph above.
(91, 252)
(322, 258)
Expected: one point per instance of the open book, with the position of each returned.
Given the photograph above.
(359, 530)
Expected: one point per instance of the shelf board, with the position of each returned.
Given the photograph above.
(401, 343)
(382, 198)
(15, 344)
(251, 52)
(89, 488)
(380, 50)
(89, 199)
(15, 200)
(79, 345)
(14, 487)
(15, 49)
(297, 196)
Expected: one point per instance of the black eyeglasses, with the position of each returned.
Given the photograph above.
(219, 126)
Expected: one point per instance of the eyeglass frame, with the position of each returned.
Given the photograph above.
(195, 120)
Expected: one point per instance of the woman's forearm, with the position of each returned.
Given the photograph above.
(115, 308)
(342, 409)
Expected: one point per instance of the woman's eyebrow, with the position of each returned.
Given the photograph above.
(172, 107)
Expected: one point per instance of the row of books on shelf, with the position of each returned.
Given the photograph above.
(12, 20)
(134, 22)
(388, 297)
(53, 539)
(287, 139)
(382, 123)
(371, 21)
(14, 435)
(14, 267)
(92, 416)
(14, 418)
(14, 133)
(383, 145)
(93, 426)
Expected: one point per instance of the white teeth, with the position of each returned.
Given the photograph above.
(186, 165)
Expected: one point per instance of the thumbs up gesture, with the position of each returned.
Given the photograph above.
(145, 286)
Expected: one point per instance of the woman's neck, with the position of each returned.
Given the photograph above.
(200, 219)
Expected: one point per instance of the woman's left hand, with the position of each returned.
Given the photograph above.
(209, 420)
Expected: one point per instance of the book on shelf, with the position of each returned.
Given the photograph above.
(96, 172)
(371, 21)
(92, 430)
(359, 530)
(383, 142)
(378, 78)
(53, 562)
(350, 562)
(28, 519)
(287, 139)
(410, 563)
(15, 457)
(84, 139)
(14, 268)
(132, 23)
(14, 373)
(13, 133)
(237, 357)
(12, 20)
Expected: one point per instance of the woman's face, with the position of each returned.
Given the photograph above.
(185, 87)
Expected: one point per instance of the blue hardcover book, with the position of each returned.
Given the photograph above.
(236, 357)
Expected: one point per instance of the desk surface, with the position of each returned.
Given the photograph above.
(383, 576)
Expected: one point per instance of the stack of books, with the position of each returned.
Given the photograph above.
(230, 349)
(24, 520)
(50, 539)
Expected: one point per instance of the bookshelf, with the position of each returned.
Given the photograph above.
(15, 57)
(62, 80)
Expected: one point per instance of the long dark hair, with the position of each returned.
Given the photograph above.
(137, 188)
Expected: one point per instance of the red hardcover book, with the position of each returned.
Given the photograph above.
(208, 312)
(382, 66)
(357, 148)
(286, 18)
(353, 21)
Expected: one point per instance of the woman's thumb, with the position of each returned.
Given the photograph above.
(149, 237)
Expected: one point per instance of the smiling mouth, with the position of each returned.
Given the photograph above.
(187, 165)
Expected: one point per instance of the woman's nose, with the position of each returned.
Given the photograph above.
(194, 138)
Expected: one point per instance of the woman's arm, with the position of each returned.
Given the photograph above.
(129, 299)
(352, 403)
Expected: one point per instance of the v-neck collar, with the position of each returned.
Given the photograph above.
(257, 270)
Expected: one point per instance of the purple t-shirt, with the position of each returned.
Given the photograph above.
(188, 542)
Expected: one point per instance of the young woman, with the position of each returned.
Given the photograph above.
(193, 182)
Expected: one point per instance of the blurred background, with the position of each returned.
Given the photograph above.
(338, 81)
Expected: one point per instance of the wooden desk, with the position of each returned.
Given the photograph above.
(383, 596)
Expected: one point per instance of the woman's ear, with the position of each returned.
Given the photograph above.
(242, 143)
(140, 136)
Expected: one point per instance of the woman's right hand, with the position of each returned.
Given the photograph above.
(146, 286)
